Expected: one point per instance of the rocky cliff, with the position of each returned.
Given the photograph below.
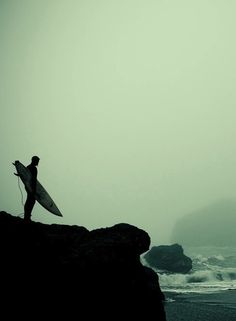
(212, 225)
(57, 270)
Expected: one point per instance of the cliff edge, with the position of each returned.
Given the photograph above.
(57, 270)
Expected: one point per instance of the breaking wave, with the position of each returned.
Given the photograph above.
(210, 273)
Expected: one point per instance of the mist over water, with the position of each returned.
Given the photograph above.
(211, 225)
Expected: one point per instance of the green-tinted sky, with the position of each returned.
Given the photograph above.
(130, 105)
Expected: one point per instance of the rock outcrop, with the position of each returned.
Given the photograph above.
(213, 225)
(57, 270)
(169, 258)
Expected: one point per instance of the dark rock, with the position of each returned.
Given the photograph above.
(60, 270)
(169, 258)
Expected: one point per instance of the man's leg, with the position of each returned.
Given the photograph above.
(29, 204)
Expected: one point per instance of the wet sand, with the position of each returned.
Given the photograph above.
(220, 306)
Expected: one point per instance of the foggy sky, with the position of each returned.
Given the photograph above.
(129, 104)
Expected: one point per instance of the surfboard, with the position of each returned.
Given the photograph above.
(42, 195)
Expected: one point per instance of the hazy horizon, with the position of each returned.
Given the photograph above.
(130, 106)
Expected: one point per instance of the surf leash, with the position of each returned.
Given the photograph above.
(22, 198)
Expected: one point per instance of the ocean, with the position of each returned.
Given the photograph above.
(207, 292)
(214, 270)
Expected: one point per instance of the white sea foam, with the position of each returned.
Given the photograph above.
(213, 270)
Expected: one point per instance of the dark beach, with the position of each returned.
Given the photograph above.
(220, 306)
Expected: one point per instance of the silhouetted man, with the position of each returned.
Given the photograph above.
(30, 201)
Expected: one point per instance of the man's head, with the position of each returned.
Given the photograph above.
(35, 160)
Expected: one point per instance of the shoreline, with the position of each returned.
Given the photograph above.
(201, 306)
